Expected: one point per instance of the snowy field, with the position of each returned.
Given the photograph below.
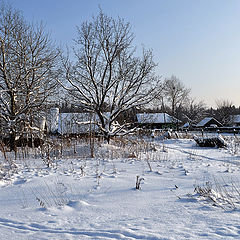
(186, 192)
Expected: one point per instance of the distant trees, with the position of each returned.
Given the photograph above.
(194, 111)
(224, 110)
(107, 76)
(27, 62)
(176, 93)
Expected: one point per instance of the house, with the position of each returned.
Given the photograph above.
(209, 122)
(73, 123)
(82, 123)
(76, 123)
(234, 120)
(157, 120)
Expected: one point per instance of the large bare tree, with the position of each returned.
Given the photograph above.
(175, 92)
(27, 62)
(107, 78)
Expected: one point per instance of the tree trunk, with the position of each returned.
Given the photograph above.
(12, 141)
(107, 137)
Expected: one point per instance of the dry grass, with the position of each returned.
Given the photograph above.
(220, 193)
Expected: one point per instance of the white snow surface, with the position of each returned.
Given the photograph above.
(68, 201)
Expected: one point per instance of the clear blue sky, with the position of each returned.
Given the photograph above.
(198, 41)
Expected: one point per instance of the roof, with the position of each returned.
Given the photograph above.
(235, 118)
(75, 122)
(155, 118)
(186, 125)
(203, 122)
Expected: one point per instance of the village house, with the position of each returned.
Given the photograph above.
(157, 121)
(72, 123)
(209, 122)
(82, 123)
(76, 123)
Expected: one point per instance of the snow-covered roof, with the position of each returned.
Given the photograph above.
(186, 125)
(203, 122)
(75, 123)
(235, 118)
(155, 118)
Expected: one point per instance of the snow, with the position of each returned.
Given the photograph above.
(204, 121)
(235, 119)
(186, 125)
(80, 197)
(155, 118)
(53, 120)
(75, 122)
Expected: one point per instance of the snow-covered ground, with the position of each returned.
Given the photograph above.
(95, 198)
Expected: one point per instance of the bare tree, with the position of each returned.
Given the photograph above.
(107, 76)
(224, 109)
(175, 92)
(27, 60)
(194, 111)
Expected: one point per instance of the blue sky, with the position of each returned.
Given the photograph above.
(198, 41)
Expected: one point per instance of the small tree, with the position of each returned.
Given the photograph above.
(27, 61)
(106, 77)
